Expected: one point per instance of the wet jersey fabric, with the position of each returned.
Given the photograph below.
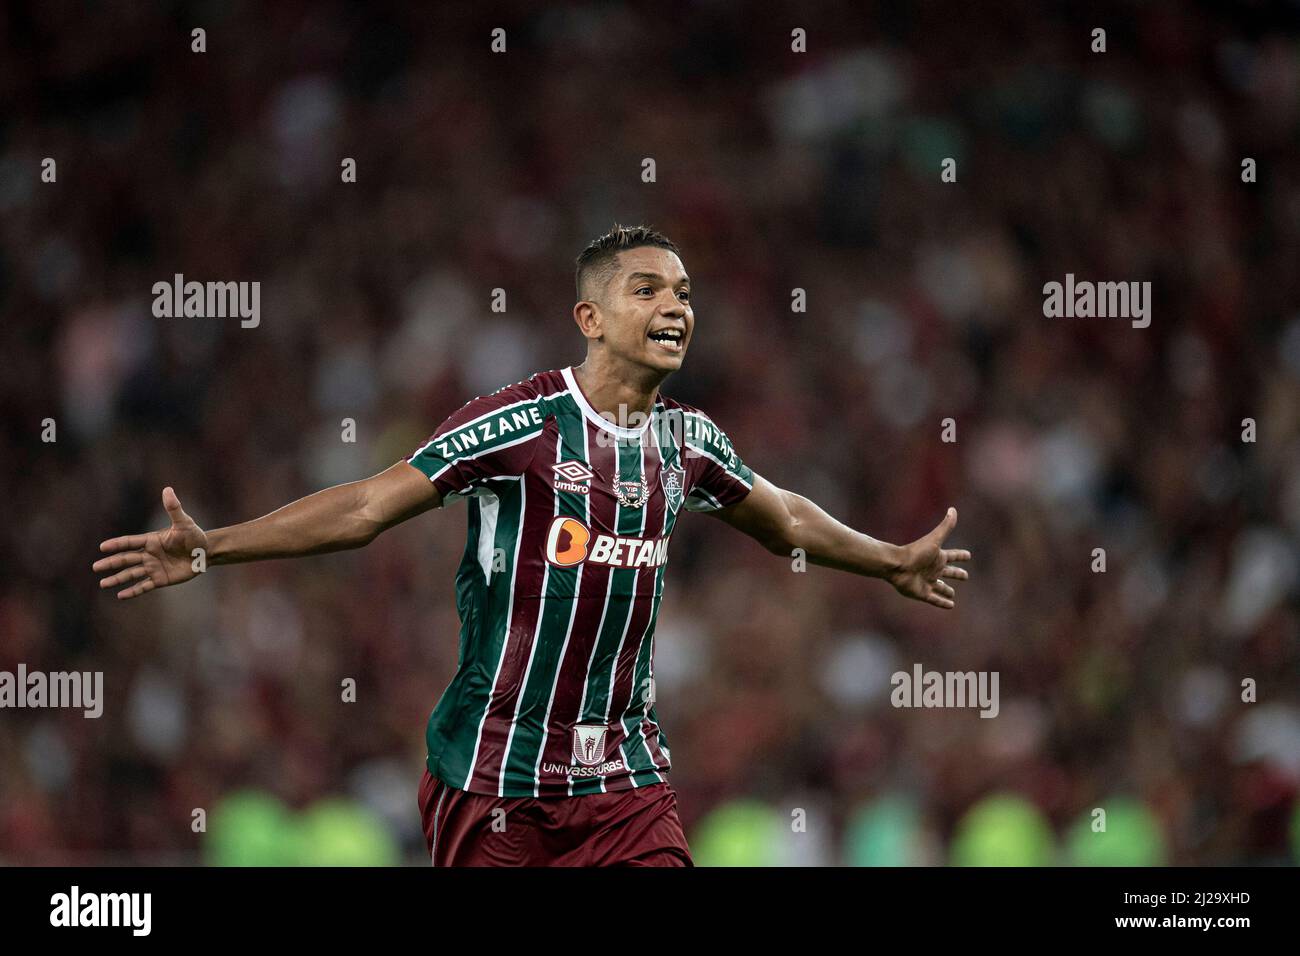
(570, 516)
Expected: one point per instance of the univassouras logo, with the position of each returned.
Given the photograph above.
(575, 770)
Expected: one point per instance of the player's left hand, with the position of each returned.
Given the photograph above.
(925, 564)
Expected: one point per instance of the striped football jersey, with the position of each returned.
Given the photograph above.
(570, 516)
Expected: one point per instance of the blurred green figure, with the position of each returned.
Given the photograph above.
(1132, 837)
(250, 828)
(1003, 830)
(740, 833)
(885, 832)
(340, 832)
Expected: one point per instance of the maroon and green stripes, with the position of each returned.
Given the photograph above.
(547, 645)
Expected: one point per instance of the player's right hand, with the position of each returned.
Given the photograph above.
(154, 560)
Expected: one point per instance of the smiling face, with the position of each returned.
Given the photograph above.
(641, 315)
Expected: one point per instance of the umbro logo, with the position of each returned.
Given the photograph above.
(572, 476)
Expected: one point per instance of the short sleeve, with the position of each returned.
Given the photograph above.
(720, 477)
(488, 438)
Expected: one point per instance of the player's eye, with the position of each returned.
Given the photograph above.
(644, 288)
(684, 294)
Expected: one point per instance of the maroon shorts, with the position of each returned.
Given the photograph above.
(637, 827)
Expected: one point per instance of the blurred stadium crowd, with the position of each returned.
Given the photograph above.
(775, 170)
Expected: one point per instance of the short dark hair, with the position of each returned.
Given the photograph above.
(600, 259)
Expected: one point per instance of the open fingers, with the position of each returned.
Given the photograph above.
(958, 574)
(959, 555)
(939, 600)
(143, 587)
(128, 542)
(123, 577)
(117, 561)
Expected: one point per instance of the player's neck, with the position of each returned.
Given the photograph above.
(618, 391)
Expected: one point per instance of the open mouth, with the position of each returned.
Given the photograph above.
(670, 340)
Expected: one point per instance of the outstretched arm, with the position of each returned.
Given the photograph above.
(781, 521)
(345, 516)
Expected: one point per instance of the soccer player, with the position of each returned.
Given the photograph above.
(545, 749)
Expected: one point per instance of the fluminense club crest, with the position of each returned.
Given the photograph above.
(589, 744)
(673, 479)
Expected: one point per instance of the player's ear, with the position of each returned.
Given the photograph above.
(590, 323)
